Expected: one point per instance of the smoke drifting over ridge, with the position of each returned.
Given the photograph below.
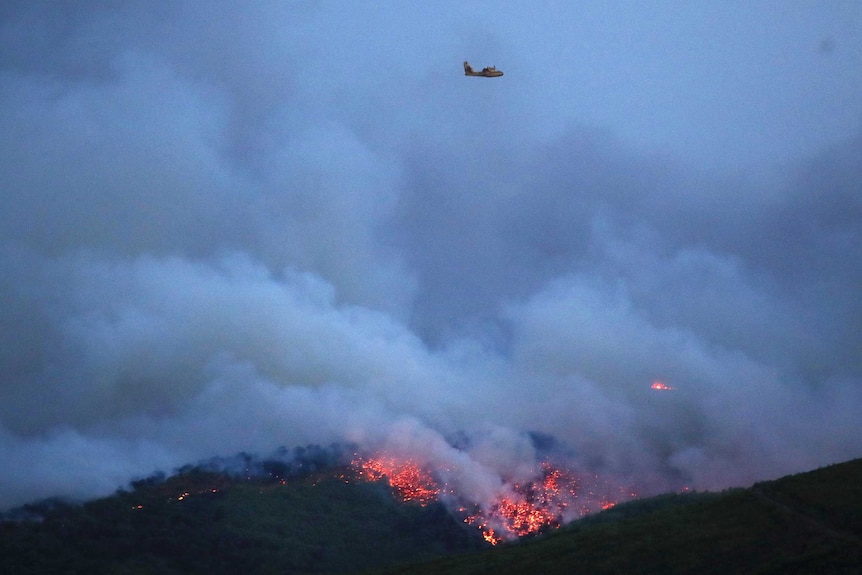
(217, 233)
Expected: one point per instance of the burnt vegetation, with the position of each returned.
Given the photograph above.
(301, 512)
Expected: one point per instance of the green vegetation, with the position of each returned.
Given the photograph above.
(809, 523)
(202, 521)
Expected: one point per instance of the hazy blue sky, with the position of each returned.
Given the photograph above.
(232, 226)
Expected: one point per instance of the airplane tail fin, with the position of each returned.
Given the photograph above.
(467, 68)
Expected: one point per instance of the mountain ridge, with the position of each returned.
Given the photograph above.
(307, 513)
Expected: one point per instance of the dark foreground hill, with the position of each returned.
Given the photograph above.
(204, 522)
(808, 523)
(288, 521)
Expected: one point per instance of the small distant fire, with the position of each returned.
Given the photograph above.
(661, 386)
(183, 496)
(551, 498)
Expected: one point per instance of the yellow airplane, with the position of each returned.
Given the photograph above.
(489, 72)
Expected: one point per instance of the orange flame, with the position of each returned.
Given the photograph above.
(660, 386)
(410, 482)
(491, 537)
(519, 509)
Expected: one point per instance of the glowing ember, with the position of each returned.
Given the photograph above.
(489, 535)
(660, 386)
(553, 497)
(408, 479)
(531, 507)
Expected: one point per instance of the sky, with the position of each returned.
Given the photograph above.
(237, 226)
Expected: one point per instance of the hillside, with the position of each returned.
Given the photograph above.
(810, 523)
(311, 516)
(205, 522)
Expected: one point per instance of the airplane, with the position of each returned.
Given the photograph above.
(489, 72)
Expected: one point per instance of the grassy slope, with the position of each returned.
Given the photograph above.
(806, 523)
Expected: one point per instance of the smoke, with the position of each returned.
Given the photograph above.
(217, 236)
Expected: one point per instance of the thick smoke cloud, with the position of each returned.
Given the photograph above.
(219, 233)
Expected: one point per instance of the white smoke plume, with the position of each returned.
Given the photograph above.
(218, 233)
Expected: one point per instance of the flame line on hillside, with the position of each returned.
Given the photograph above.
(547, 501)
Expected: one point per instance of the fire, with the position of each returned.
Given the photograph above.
(547, 501)
(660, 386)
(489, 536)
(534, 506)
(410, 481)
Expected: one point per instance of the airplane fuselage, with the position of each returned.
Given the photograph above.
(489, 72)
